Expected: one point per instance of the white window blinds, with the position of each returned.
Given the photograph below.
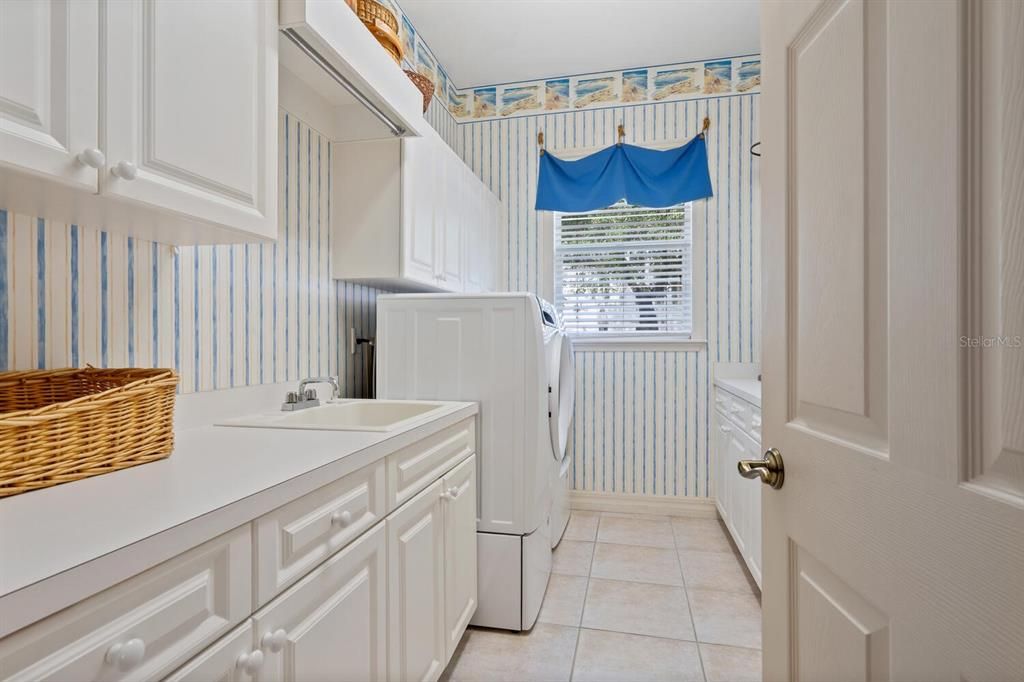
(625, 271)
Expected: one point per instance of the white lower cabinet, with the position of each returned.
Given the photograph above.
(363, 579)
(459, 552)
(736, 435)
(332, 624)
(416, 648)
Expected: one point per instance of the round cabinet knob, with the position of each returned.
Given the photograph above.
(126, 655)
(274, 640)
(341, 518)
(251, 662)
(93, 158)
(453, 491)
(126, 170)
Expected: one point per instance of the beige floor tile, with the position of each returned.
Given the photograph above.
(614, 657)
(563, 601)
(582, 526)
(730, 663)
(639, 564)
(543, 654)
(706, 535)
(572, 557)
(726, 618)
(634, 530)
(638, 608)
(714, 571)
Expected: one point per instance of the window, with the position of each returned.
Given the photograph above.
(625, 271)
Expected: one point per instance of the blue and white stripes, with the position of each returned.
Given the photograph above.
(642, 416)
(223, 316)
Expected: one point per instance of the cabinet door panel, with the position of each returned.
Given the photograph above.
(419, 182)
(49, 88)
(333, 620)
(416, 646)
(460, 585)
(191, 100)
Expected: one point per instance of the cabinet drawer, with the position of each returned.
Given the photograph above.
(413, 468)
(739, 411)
(294, 539)
(144, 627)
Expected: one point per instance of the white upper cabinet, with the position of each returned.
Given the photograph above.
(49, 89)
(179, 145)
(422, 178)
(190, 109)
(459, 203)
(410, 215)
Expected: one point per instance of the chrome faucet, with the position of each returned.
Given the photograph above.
(306, 397)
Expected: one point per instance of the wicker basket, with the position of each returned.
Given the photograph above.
(425, 85)
(61, 425)
(383, 24)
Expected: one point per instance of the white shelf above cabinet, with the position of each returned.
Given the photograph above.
(343, 49)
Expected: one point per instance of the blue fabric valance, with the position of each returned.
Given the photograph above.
(643, 177)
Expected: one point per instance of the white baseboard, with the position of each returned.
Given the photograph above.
(585, 500)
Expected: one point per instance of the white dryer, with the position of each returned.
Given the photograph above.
(487, 348)
(561, 408)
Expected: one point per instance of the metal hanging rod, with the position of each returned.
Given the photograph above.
(396, 129)
(620, 132)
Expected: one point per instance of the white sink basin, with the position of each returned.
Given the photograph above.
(347, 415)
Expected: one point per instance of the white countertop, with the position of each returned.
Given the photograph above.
(110, 527)
(747, 389)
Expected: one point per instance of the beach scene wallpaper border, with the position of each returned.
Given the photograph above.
(666, 83)
(671, 82)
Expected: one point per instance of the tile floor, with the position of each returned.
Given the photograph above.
(631, 597)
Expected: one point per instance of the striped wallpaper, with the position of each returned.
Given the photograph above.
(642, 416)
(241, 315)
(223, 316)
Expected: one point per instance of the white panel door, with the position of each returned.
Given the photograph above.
(416, 641)
(49, 87)
(460, 582)
(190, 112)
(419, 210)
(893, 213)
(332, 624)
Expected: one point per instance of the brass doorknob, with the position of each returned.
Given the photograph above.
(770, 470)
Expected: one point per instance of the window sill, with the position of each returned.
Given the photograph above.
(634, 343)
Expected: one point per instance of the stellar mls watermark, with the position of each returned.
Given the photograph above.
(992, 341)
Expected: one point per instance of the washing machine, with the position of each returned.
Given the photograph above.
(561, 370)
(490, 349)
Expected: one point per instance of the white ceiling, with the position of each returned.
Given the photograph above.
(484, 42)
